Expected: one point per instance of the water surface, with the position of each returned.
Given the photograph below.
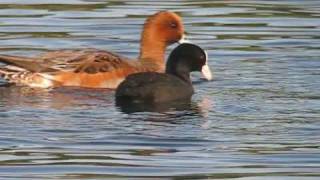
(259, 118)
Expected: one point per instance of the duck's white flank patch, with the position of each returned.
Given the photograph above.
(45, 83)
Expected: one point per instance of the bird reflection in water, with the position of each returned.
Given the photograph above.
(134, 106)
(81, 98)
(168, 110)
(60, 98)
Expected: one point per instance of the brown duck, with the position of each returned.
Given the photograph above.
(94, 68)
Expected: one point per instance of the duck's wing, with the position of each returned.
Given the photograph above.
(25, 63)
(87, 61)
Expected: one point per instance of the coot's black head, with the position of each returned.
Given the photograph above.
(186, 58)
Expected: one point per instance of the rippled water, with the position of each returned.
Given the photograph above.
(259, 118)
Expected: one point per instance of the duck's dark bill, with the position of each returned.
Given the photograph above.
(183, 40)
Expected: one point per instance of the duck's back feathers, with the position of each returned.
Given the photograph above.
(26, 63)
(85, 60)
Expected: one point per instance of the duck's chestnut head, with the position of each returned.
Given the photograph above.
(165, 26)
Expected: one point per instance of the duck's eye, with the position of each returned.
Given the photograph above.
(173, 25)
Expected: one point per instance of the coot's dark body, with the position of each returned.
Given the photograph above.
(175, 84)
(153, 87)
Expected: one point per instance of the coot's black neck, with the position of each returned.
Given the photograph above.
(180, 69)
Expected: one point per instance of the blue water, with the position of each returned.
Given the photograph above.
(258, 119)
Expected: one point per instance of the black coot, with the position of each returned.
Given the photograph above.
(174, 85)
